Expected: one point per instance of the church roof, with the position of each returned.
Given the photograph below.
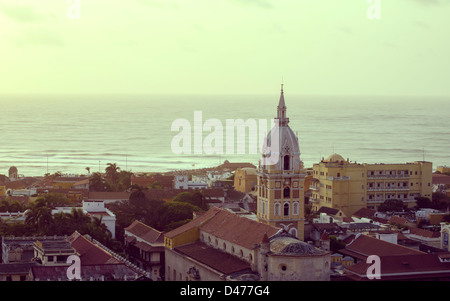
(286, 244)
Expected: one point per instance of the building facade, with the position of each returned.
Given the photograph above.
(280, 179)
(220, 245)
(341, 184)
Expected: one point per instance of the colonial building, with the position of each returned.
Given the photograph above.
(281, 177)
(350, 186)
(220, 245)
(245, 179)
(145, 246)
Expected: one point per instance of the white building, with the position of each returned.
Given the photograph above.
(94, 209)
(183, 182)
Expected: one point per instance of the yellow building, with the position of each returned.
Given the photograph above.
(348, 186)
(281, 178)
(245, 179)
(338, 184)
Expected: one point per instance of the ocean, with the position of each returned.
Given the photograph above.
(68, 133)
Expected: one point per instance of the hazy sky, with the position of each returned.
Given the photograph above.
(224, 46)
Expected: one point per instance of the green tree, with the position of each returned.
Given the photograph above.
(195, 198)
(39, 216)
(112, 174)
(172, 212)
(392, 205)
(97, 183)
(423, 202)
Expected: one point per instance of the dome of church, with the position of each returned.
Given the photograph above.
(287, 140)
(289, 245)
(334, 158)
(281, 144)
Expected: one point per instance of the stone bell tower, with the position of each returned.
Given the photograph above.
(281, 178)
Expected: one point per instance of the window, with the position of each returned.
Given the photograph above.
(286, 162)
(277, 209)
(287, 192)
(295, 210)
(286, 209)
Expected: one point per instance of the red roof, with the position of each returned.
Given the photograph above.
(364, 246)
(407, 266)
(167, 194)
(145, 232)
(237, 229)
(164, 181)
(441, 179)
(424, 233)
(108, 271)
(398, 220)
(365, 212)
(89, 252)
(197, 222)
(223, 262)
(109, 195)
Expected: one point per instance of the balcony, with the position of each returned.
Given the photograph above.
(398, 176)
(338, 178)
(388, 188)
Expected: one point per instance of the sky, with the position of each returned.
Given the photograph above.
(320, 47)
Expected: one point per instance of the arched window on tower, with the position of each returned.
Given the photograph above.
(277, 209)
(286, 163)
(286, 209)
(295, 208)
(287, 192)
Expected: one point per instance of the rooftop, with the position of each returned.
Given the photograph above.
(363, 246)
(285, 244)
(223, 262)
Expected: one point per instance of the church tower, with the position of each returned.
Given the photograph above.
(281, 178)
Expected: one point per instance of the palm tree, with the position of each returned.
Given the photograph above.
(112, 174)
(39, 216)
(96, 182)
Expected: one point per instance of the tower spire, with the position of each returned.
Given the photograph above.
(281, 109)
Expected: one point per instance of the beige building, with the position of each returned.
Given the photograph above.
(349, 186)
(245, 179)
(281, 178)
(221, 245)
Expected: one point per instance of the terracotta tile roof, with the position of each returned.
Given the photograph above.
(441, 179)
(164, 181)
(148, 248)
(328, 210)
(237, 229)
(108, 195)
(364, 246)
(195, 223)
(364, 212)
(89, 252)
(145, 232)
(108, 271)
(168, 194)
(408, 266)
(398, 220)
(220, 261)
(424, 233)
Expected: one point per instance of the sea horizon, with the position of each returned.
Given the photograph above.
(73, 132)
